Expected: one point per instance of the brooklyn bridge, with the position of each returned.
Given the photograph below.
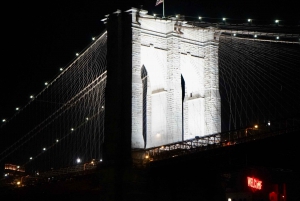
(163, 108)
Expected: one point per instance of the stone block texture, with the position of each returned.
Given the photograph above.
(174, 111)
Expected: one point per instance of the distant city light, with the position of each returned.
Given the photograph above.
(3, 120)
(17, 108)
(154, 15)
(176, 16)
(18, 183)
(78, 160)
(30, 158)
(87, 118)
(31, 96)
(57, 140)
(249, 20)
(93, 38)
(44, 149)
(46, 83)
(276, 21)
(277, 37)
(61, 69)
(269, 123)
(255, 36)
(77, 54)
(224, 19)
(100, 160)
(72, 129)
(234, 34)
(255, 126)
(200, 17)
(5, 175)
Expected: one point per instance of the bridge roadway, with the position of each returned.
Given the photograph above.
(144, 157)
(215, 141)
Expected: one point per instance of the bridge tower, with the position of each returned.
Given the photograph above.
(173, 77)
(165, 53)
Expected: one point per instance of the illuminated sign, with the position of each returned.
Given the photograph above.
(254, 183)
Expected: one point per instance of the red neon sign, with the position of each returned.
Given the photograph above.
(254, 183)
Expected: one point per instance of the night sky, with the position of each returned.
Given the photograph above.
(39, 38)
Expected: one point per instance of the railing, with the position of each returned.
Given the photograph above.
(142, 157)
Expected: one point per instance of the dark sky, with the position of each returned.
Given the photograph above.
(39, 38)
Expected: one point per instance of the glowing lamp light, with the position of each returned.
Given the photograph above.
(57, 140)
(77, 54)
(200, 17)
(146, 156)
(78, 160)
(44, 149)
(234, 34)
(277, 37)
(229, 199)
(176, 16)
(18, 167)
(46, 83)
(269, 123)
(93, 38)
(87, 118)
(30, 158)
(100, 160)
(255, 126)
(18, 183)
(255, 36)
(224, 19)
(5, 175)
(3, 120)
(72, 129)
(277, 21)
(61, 69)
(17, 108)
(31, 96)
(249, 20)
(154, 15)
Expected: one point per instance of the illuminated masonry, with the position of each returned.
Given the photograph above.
(163, 53)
